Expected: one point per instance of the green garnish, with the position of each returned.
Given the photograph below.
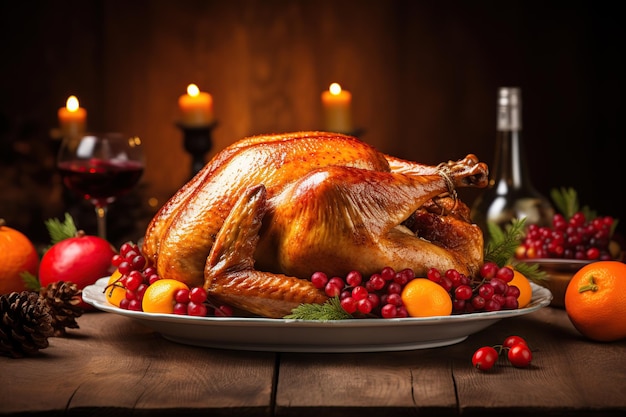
(502, 243)
(501, 247)
(567, 203)
(30, 281)
(61, 230)
(330, 310)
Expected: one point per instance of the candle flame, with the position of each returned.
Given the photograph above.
(72, 103)
(334, 89)
(193, 90)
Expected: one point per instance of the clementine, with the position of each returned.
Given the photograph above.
(17, 255)
(115, 290)
(595, 300)
(159, 297)
(525, 289)
(424, 298)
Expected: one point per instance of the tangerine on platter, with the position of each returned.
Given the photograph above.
(525, 289)
(115, 291)
(17, 255)
(424, 298)
(595, 301)
(159, 297)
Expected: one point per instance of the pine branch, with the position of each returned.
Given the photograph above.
(502, 243)
(330, 310)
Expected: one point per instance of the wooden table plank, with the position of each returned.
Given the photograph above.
(112, 362)
(112, 365)
(393, 383)
(569, 375)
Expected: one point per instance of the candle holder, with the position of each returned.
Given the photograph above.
(197, 142)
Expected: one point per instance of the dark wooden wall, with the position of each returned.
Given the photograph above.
(423, 75)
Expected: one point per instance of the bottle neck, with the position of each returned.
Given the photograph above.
(510, 167)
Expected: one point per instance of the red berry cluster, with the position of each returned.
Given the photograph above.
(491, 293)
(576, 238)
(194, 302)
(137, 276)
(377, 296)
(517, 351)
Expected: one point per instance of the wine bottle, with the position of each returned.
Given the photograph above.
(510, 193)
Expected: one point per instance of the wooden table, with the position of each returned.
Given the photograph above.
(114, 366)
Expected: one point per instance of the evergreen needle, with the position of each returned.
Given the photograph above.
(330, 310)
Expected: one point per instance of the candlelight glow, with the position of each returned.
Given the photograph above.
(334, 89)
(72, 103)
(193, 90)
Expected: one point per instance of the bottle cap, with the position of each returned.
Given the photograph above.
(509, 108)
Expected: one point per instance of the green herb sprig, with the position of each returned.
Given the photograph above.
(501, 247)
(330, 310)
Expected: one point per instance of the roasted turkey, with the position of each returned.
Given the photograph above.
(268, 211)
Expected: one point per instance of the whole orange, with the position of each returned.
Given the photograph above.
(525, 289)
(424, 298)
(159, 297)
(595, 300)
(17, 255)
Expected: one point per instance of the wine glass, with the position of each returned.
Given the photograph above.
(100, 168)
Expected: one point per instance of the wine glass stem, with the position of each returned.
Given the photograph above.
(101, 213)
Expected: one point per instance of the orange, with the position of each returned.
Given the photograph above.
(17, 255)
(159, 297)
(425, 298)
(525, 290)
(595, 300)
(115, 291)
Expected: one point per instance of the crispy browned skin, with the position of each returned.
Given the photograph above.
(268, 211)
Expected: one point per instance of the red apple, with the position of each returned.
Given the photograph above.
(81, 260)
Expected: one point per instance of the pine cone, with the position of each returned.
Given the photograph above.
(25, 324)
(63, 300)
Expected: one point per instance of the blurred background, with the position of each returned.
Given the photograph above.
(423, 75)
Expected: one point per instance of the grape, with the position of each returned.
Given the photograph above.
(348, 304)
(520, 355)
(484, 358)
(354, 278)
(359, 293)
(197, 295)
(196, 309)
(388, 311)
(576, 238)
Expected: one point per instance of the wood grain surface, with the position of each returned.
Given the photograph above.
(113, 365)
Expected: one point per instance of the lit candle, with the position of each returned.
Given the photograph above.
(196, 107)
(72, 118)
(337, 109)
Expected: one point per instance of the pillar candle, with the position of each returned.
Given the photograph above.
(337, 109)
(196, 107)
(72, 118)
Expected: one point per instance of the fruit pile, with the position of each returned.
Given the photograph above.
(577, 238)
(136, 286)
(391, 294)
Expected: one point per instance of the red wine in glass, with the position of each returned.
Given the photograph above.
(100, 181)
(100, 168)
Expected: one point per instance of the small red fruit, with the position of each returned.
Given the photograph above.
(81, 260)
(484, 358)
